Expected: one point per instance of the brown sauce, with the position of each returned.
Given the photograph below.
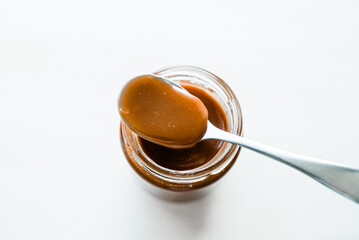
(162, 113)
(202, 152)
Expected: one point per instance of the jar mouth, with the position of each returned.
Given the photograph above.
(218, 89)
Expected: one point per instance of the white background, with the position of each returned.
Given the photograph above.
(294, 66)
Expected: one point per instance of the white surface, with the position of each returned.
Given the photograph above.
(292, 64)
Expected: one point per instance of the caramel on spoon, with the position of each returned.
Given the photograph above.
(162, 113)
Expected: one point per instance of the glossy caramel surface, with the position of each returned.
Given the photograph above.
(162, 113)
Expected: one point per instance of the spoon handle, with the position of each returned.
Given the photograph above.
(344, 180)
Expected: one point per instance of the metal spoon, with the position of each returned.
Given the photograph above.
(342, 179)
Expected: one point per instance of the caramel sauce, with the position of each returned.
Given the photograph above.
(162, 113)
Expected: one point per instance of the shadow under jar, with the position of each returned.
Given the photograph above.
(183, 170)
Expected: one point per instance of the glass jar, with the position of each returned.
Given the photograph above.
(188, 180)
